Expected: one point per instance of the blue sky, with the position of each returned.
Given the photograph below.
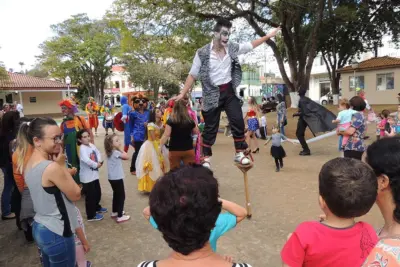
(24, 24)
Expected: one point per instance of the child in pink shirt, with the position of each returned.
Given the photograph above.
(348, 189)
(382, 124)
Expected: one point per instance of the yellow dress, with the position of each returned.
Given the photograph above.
(150, 164)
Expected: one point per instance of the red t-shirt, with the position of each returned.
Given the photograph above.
(316, 244)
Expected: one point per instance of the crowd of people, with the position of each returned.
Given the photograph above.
(48, 167)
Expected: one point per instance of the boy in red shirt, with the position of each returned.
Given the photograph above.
(347, 189)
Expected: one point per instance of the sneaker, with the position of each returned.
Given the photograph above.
(241, 159)
(124, 218)
(102, 210)
(115, 214)
(88, 264)
(8, 217)
(207, 162)
(98, 217)
(281, 165)
(277, 169)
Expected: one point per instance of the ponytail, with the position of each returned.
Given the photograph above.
(23, 145)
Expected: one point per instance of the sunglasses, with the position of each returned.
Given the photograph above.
(139, 101)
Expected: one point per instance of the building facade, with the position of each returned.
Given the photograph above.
(39, 97)
(378, 77)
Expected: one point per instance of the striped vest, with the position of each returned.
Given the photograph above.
(211, 91)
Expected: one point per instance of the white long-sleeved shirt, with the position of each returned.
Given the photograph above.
(220, 69)
(89, 158)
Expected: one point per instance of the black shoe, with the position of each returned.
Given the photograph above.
(256, 151)
(281, 165)
(305, 153)
(277, 170)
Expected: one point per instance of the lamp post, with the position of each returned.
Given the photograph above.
(354, 65)
(68, 82)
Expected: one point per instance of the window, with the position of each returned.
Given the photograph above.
(32, 99)
(117, 84)
(123, 84)
(359, 82)
(385, 81)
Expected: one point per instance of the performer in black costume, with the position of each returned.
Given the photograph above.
(314, 116)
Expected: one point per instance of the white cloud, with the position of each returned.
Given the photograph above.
(25, 24)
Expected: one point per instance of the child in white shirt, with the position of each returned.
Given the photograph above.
(90, 162)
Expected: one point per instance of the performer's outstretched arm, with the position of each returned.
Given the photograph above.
(265, 38)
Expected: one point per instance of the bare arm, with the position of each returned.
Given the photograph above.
(235, 209)
(147, 213)
(81, 236)
(124, 155)
(59, 176)
(190, 80)
(265, 38)
(166, 135)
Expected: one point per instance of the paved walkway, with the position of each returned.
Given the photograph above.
(280, 201)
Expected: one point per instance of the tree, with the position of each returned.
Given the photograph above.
(350, 28)
(84, 49)
(300, 21)
(22, 66)
(155, 59)
(38, 71)
(4, 78)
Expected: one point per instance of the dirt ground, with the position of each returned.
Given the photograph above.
(280, 201)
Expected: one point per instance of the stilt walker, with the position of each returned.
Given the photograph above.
(217, 66)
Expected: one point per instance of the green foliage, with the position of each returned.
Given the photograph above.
(83, 49)
(155, 55)
(38, 71)
(350, 28)
(192, 21)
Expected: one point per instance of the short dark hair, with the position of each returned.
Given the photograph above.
(79, 135)
(184, 204)
(357, 103)
(385, 113)
(384, 158)
(348, 187)
(222, 23)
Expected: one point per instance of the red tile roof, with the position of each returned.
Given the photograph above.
(117, 68)
(22, 81)
(374, 64)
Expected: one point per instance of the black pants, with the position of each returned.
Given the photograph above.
(137, 145)
(16, 199)
(279, 163)
(93, 197)
(118, 196)
(353, 154)
(300, 131)
(229, 102)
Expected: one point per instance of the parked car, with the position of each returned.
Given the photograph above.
(328, 98)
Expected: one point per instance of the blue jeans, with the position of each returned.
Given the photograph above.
(7, 190)
(57, 251)
(280, 124)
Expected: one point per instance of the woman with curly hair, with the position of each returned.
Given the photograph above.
(176, 201)
(384, 158)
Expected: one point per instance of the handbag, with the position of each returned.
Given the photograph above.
(285, 122)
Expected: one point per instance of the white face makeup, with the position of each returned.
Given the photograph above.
(223, 36)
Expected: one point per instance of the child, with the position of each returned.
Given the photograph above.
(382, 124)
(344, 120)
(81, 244)
(90, 162)
(390, 127)
(115, 154)
(378, 122)
(263, 127)
(347, 189)
(225, 221)
(151, 154)
(277, 151)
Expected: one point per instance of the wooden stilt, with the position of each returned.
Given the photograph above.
(245, 169)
